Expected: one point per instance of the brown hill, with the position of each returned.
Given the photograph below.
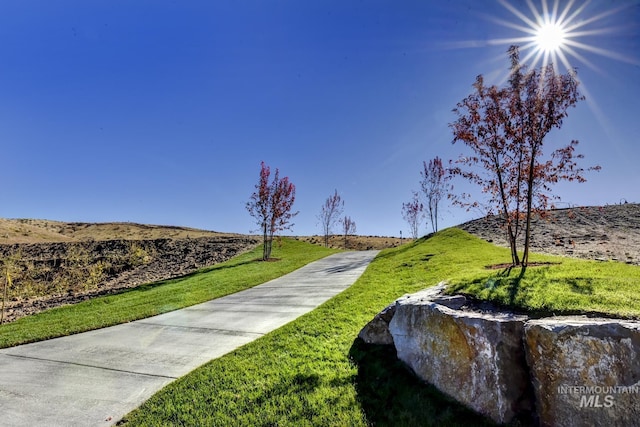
(46, 231)
(595, 232)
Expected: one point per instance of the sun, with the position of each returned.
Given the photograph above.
(555, 32)
(550, 37)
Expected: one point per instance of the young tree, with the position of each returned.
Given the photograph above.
(412, 213)
(271, 206)
(330, 213)
(480, 126)
(348, 227)
(434, 187)
(505, 129)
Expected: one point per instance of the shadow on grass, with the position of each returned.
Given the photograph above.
(514, 286)
(511, 284)
(582, 286)
(390, 395)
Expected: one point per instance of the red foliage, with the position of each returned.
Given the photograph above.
(271, 205)
(505, 130)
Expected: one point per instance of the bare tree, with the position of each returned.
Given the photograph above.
(348, 227)
(505, 130)
(330, 213)
(271, 206)
(412, 212)
(434, 188)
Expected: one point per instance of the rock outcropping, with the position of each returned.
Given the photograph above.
(377, 330)
(569, 370)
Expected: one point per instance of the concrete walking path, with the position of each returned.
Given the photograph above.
(97, 377)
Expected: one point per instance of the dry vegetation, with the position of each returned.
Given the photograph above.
(14, 231)
(42, 230)
(50, 263)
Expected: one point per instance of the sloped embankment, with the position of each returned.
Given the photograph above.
(602, 232)
(64, 273)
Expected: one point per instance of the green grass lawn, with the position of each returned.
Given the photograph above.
(567, 286)
(241, 272)
(314, 371)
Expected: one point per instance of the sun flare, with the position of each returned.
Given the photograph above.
(558, 33)
(550, 37)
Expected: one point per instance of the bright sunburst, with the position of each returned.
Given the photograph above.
(550, 37)
(552, 34)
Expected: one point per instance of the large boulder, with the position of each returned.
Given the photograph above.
(585, 371)
(476, 358)
(377, 330)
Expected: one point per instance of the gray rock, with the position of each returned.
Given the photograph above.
(454, 302)
(476, 358)
(377, 330)
(585, 371)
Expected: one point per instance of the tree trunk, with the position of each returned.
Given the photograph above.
(269, 245)
(527, 236)
(265, 251)
(512, 243)
(436, 219)
(505, 211)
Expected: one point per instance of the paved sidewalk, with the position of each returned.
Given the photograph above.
(97, 377)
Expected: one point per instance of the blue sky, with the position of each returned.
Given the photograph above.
(161, 111)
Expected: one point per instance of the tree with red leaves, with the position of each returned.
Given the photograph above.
(412, 213)
(329, 214)
(271, 206)
(505, 130)
(434, 187)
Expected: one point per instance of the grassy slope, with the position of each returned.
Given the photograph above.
(571, 286)
(239, 273)
(313, 372)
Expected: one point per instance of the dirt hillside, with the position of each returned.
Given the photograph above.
(596, 232)
(53, 263)
(44, 231)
